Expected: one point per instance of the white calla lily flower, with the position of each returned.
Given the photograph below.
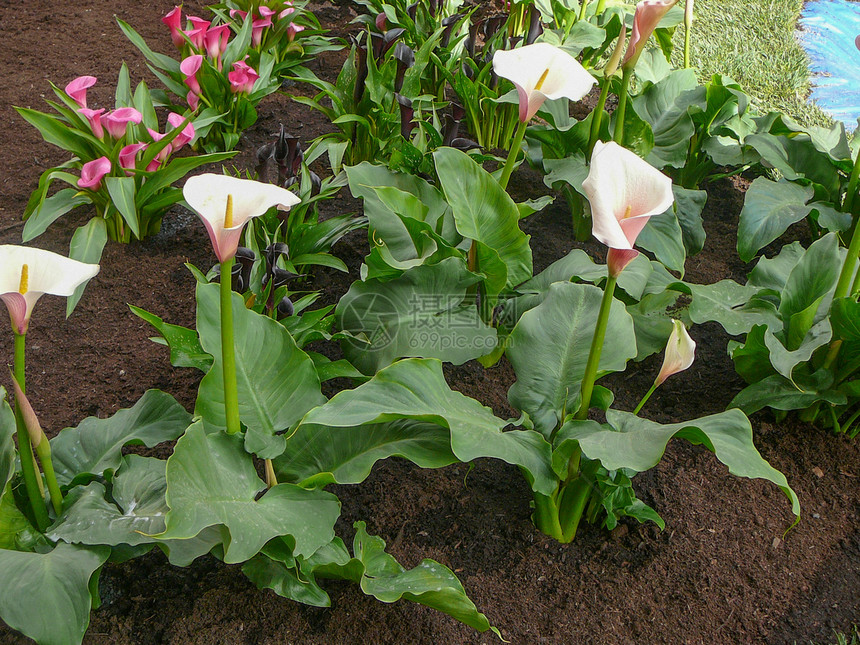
(209, 194)
(680, 352)
(540, 72)
(624, 191)
(26, 274)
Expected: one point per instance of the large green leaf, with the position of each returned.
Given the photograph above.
(121, 191)
(377, 573)
(366, 179)
(137, 512)
(689, 205)
(429, 583)
(664, 106)
(772, 273)
(276, 380)
(87, 245)
(211, 481)
(416, 389)
(184, 343)
(52, 209)
(779, 393)
(549, 348)
(808, 288)
(421, 244)
(662, 236)
(796, 157)
(423, 313)
(628, 441)
(785, 359)
(322, 455)
(95, 446)
(484, 212)
(46, 596)
(734, 306)
(16, 532)
(844, 316)
(770, 207)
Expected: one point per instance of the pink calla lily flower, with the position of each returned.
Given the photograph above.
(116, 122)
(77, 89)
(540, 72)
(183, 137)
(242, 78)
(95, 120)
(128, 156)
(680, 352)
(265, 12)
(26, 274)
(216, 42)
(287, 11)
(173, 20)
(189, 68)
(93, 172)
(258, 27)
(162, 156)
(648, 15)
(197, 33)
(624, 191)
(292, 30)
(193, 100)
(208, 195)
(238, 12)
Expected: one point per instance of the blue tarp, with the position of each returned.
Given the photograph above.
(828, 30)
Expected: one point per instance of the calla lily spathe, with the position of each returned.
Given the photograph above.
(26, 274)
(648, 15)
(624, 191)
(173, 20)
(93, 172)
(680, 352)
(116, 121)
(208, 194)
(183, 137)
(540, 72)
(77, 89)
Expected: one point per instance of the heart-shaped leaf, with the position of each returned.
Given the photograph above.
(211, 481)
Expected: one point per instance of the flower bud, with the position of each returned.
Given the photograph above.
(680, 352)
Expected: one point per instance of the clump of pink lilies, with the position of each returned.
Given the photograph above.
(113, 128)
(201, 40)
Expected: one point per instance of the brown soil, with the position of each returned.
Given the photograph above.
(719, 573)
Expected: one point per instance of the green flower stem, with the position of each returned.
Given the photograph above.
(44, 452)
(25, 447)
(600, 7)
(621, 110)
(228, 353)
(688, 28)
(596, 347)
(846, 276)
(597, 119)
(646, 397)
(512, 155)
(583, 9)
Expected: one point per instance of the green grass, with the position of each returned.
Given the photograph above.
(753, 42)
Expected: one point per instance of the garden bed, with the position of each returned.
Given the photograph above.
(722, 571)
